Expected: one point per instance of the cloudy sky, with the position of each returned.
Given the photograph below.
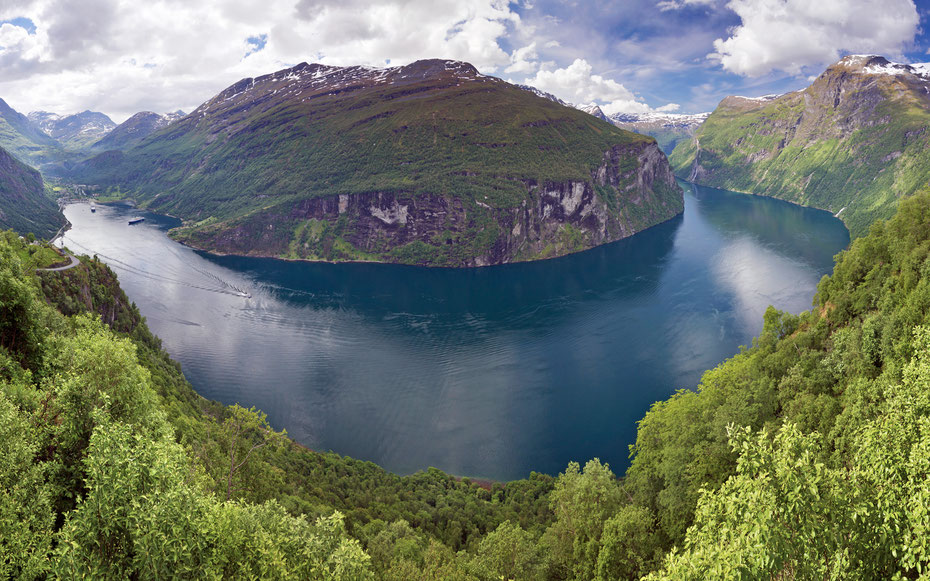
(124, 56)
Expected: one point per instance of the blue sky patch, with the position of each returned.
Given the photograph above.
(22, 23)
(256, 43)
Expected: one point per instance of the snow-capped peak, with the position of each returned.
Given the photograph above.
(667, 119)
(763, 98)
(871, 64)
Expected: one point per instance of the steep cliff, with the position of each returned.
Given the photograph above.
(855, 142)
(554, 218)
(428, 163)
(24, 206)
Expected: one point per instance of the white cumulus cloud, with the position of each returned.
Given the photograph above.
(577, 83)
(523, 60)
(794, 35)
(666, 5)
(121, 57)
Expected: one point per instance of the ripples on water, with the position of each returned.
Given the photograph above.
(489, 372)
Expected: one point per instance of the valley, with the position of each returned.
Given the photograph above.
(854, 141)
(479, 372)
(420, 322)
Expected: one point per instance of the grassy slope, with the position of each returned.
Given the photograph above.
(420, 138)
(24, 206)
(760, 149)
(470, 139)
(26, 142)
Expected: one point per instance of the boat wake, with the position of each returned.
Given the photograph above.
(225, 287)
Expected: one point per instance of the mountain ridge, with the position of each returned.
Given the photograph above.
(77, 131)
(133, 130)
(427, 163)
(854, 142)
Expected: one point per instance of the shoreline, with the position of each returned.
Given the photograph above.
(434, 266)
(793, 203)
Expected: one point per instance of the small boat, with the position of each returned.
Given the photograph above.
(136, 220)
(93, 208)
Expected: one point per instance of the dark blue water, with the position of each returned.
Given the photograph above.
(489, 372)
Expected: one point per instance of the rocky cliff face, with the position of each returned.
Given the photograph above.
(554, 219)
(854, 142)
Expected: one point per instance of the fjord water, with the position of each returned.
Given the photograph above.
(489, 372)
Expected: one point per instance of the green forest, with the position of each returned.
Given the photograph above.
(804, 456)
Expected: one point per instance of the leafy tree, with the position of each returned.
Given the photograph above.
(787, 514)
(629, 545)
(237, 440)
(145, 517)
(20, 311)
(26, 516)
(582, 502)
(508, 552)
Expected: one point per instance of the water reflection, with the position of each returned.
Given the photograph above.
(488, 372)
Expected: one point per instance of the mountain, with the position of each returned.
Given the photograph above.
(667, 128)
(593, 109)
(544, 95)
(428, 163)
(24, 206)
(855, 142)
(131, 131)
(76, 131)
(25, 141)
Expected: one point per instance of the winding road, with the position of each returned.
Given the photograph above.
(74, 262)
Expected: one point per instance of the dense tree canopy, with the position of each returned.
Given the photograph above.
(805, 455)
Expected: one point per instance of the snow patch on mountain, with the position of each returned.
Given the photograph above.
(664, 119)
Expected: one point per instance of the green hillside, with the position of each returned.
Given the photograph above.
(435, 164)
(24, 140)
(854, 142)
(24, 206)
(803, 456)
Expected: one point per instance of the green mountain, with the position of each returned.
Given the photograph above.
(24, 207)
(855, 142)
(133, 130)
(429, 163)
(24, 140)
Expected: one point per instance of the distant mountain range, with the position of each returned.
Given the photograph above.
(135, 129)
(268, 149)
(26, 141)
(854, 143)
(428, 163)
(54, 143)
(667, 128)
(77, 131)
